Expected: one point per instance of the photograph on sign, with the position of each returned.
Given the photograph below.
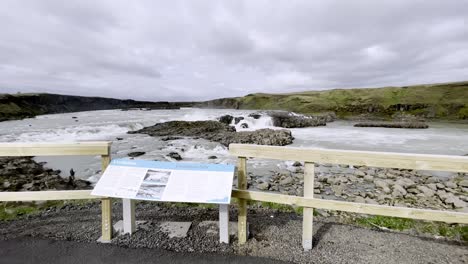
(167, 181)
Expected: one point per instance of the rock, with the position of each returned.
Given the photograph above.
(297, 164)
(359, 173)
(255, 115)
(463, 183)
(418, 125)
(212, 157)
(238, 119)
(454, 201)
(370, 201)
(263, 186)
(338, 189)
(286, 181)
(368, 178)
(119, 138)
(432, 186)
(450, 184)
(292, 120)
(24, 174)
(398, 191)
(381, 184)
(426, 191)
(136, 154)
(219, 132)
(226, 119)
(406, 183)
(359, 199)
(170, 138)
(432, 180)
(244, 125)
(174, 155)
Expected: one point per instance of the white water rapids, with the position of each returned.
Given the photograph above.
(440, 138)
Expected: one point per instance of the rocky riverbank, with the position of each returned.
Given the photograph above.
(412, 125)
(218, 132)
(24, 174)
(396, 187)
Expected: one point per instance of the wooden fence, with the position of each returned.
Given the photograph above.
(359, 158)
(69, 149)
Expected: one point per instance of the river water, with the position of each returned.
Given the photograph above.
(440, 138)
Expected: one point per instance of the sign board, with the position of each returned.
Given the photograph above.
(166, 181)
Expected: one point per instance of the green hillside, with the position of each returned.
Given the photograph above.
(444, 101)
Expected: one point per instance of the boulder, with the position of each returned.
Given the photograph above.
(286, 181)
(174, 155)
(292, 120)
(398, 191)
(463, 183)
(255, 115)
(218, 132)
(238, 119)
(244, 125)
(263, 186)
(226, 119)
(212, 157)
(406, 183)
(426, 191)
(136, 154)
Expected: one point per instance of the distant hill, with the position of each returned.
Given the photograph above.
(20, 106)
(439, 101)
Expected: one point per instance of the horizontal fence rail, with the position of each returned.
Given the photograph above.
(358, 158)
(55, 149)
(100, 148)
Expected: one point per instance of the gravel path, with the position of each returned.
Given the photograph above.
(274, 235)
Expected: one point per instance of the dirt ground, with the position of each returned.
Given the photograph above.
(273, 234)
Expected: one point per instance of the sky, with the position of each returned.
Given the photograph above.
(200, 50)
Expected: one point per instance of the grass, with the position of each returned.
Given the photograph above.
(443, 101)
(453, 231)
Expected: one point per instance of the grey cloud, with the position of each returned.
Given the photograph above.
(195, 50)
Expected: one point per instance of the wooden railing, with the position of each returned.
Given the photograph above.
(70, 149)
(359, 158)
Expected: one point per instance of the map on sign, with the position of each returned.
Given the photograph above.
(166, 181)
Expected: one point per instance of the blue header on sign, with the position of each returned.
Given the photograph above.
(173, 165)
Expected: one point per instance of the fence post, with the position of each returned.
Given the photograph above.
(106, 206)
(308, 215)
(242, 214)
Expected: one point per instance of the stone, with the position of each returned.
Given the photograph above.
(292, 120)
(263, 186)
(174, 155)
(286, 181)
(359, 173)
(212, 157)
(359, 199)
(426, 191)
(368, 178)
(398, 191)
(381, 184)
(136, 154)
(338, 189)
(432, 186)
(297, 164)
(463, 183)
(226, 119)
(450, 184)
(175, 229)
(370, 201)
(244, 125)
(406, 183)
(238, 119)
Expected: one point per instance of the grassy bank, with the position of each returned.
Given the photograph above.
(441, 101)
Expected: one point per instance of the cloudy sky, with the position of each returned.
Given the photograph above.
(195, 50)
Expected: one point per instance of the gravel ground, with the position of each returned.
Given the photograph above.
(274, 234)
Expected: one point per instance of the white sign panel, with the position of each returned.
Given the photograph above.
(167, 181)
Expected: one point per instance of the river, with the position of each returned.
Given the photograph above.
(440, 138)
